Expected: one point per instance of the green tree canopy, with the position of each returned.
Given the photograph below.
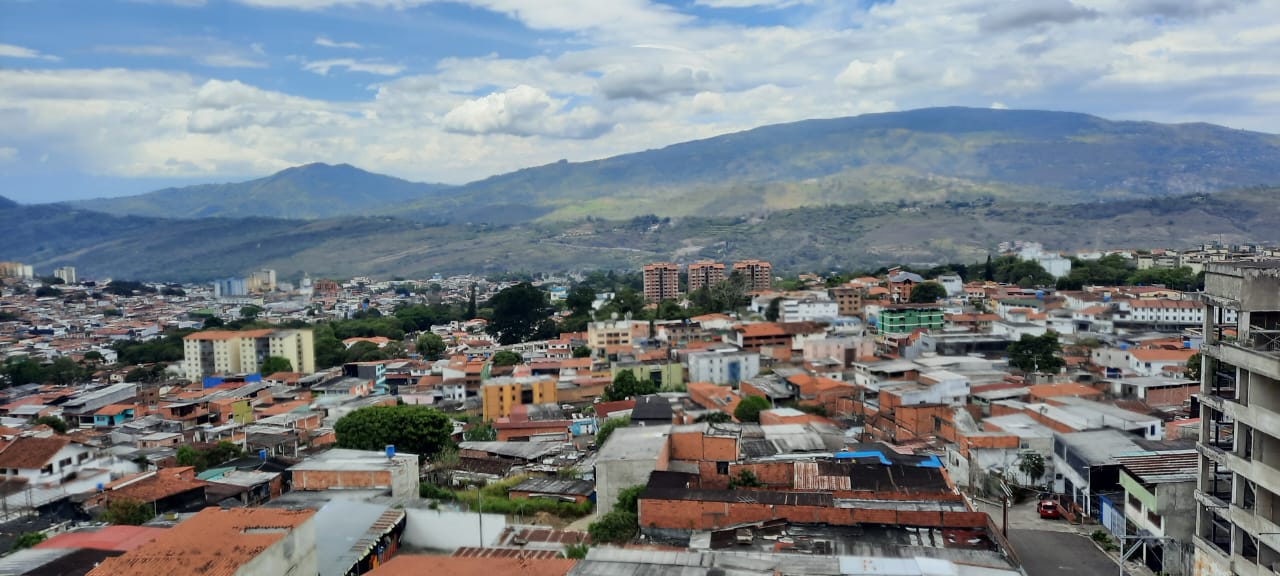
(430, 346)
(621, 524)
(507, 358)
(1037, 353)
(250, 312)
(1192, 369)
(128, 512)
(749, 409)
(715, 417)
(59, 425)
(19, 371)
(414, 429)
(27, 540)
(626, 385)
(519, 313)
(581, 352)
(774, 310)
(273, 364)
(927, 293)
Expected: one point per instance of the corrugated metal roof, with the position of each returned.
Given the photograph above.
(1162, 467)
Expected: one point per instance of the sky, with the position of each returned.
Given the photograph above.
(112, 97)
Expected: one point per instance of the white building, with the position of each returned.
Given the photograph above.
(807, 309)
(66, 273)
(723, 366)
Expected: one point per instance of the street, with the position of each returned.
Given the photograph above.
(1052, 547)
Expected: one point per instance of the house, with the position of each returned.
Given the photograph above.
(1086, 464)
(344, 469)
(164, 490)
(113, 415)
(234, 542)
(48, 460)
(1160, 500)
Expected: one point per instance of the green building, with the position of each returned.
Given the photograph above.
(905, 318)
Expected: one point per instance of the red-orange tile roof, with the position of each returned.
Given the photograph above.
(214, 542)
(32, 452)
(119, 538)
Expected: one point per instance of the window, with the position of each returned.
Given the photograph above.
(722, 468)
(63, 463)
(1133, 501)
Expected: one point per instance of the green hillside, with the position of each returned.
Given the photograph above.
(816, 238)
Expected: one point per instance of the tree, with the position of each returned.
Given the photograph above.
(430, 346)
(482, 432)
(507, 358)
(745, 479)
(128, 512)
(518, 313)
(190, 456)
(59, 425)
(749, 409)
(64, 371)
(46, 291)
(1037, 353)
(410, 428)
(27, 540)
(621, 524)
(626, 385)
(1032, 465)
(607, 428)
(579, 300)
(1192, 370)
(927, 293)
(19, 371)
(471, 304)
(581, 352)
(774, 310)
(94, 356)
(250, 312)
(989, 270)
(273, 364)
(576, 550)
(715, 417)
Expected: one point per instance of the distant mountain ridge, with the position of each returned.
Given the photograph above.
(926, 155)
(919, 155)
(305, 192)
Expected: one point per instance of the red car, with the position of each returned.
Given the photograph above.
(1048, 510)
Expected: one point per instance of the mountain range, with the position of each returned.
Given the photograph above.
(913, 187)
(932, 154)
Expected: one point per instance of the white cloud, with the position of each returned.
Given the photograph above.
(328, 43)
(860, 74)
(8, 154)
(12, 51)
(524, 111)
(202, 50)
(322, 67)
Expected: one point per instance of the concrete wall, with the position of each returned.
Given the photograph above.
(448, 530)
(293, 555)
(615, 476)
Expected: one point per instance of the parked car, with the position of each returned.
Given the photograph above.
(1049, 510)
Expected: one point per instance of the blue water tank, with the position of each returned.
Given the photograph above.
(262, 454)
(1106, 297)
(391, 451)
(1186, 343)
(1124, 346)
(1039, 294)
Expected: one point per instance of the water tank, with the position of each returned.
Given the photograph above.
(262, 454)
(1039, 294)
(391, 451)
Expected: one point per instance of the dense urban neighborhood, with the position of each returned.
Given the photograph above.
(691, 415)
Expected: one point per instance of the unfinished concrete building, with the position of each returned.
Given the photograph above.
(1238, 495)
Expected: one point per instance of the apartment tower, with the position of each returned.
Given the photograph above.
(759, 274)
(661, 282)
(705, 274)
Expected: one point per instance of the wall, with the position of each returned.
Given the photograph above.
(616, 475)
(703, 515)
(448, 530)
(295, 554)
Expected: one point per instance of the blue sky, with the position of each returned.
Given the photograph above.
(109, 97)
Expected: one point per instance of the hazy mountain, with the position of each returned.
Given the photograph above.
(303, 192)
(803, 239)
(7, 203)
(925, 155)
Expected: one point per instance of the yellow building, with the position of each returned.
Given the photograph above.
(501, 394)
(229, 352)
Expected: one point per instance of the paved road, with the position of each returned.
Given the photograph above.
(1050, 553)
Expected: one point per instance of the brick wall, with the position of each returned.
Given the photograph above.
(330, 479)
(700, 515)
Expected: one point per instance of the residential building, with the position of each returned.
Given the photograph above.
(661, 282)
(344, 469)
(603, 335)
(221, 352)
(849, 299)
(16, 270)
(501, 394)
(232, 542)
(1159, 499)
(1086, 464)
(906, 318)
(807, 309)
(723, 366)
(1238, 524)
(230, 287)
(705, 274)
(759, 274)
(66, 274)
(626, 459)
(261, 281)
(900, 284)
